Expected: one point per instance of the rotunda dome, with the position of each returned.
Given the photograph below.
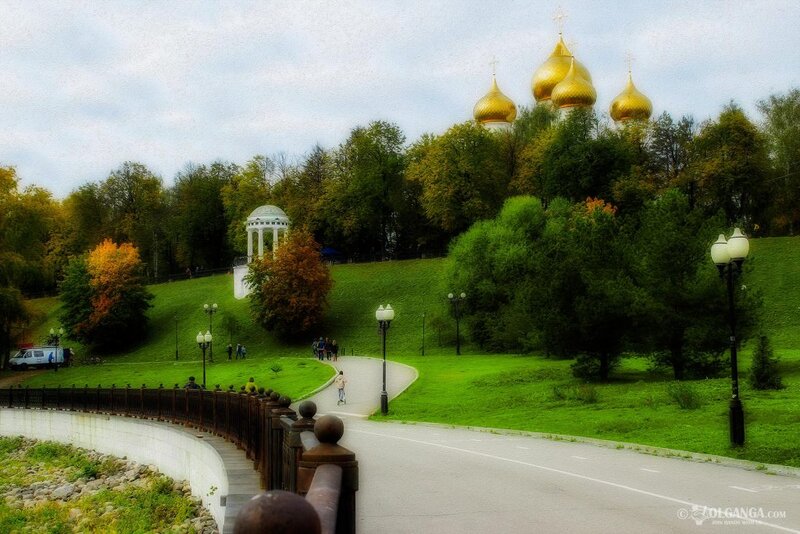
(494, 106)
(631, 104)
(574, 90)
(555, 69)
(268, 213)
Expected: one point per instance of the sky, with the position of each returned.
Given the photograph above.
(87, 85)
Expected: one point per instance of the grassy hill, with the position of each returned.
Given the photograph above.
(412, 287)
(503, 391)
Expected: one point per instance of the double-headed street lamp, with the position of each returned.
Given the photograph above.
(204, 342)
(729, 256)
(56, 335)
(384, 317)
(210, 310)
(455, 300)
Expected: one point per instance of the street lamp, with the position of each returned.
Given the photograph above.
(455, 300)
(57, 337)
(729, 256)
(204, 342)
(384, 317)
(210, 310)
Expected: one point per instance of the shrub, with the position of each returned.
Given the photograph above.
(764, 372)
(685, 395)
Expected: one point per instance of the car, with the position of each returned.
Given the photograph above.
(43, 356)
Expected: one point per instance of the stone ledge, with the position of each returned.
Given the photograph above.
(213, 466)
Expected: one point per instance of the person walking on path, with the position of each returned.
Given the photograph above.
(230, 351)
(321, 349)
(238, 350)
(335, 350)
(244, 352)
(339, 382)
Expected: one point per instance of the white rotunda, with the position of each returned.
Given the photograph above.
(262, 219)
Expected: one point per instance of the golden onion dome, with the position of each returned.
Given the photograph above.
(495, 106)
(631, 104)
(555, 69)
(574, 90)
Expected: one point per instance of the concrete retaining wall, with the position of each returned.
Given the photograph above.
(218, 473)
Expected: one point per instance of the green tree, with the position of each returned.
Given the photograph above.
(135, 202)
(301, 194)
(104, 298)
(685, 309)
(366, 192)
(781, 127)
(247, 190)
(464, 177)
(731, 168)
(670, 147)
(198, 222)
(582, 159)
(289, 291)
(764, 372)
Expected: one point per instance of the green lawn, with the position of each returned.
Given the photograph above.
(537, 394)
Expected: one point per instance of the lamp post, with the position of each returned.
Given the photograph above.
(210, 310)
(56, 335)
(729, 256)
(455, 300)
(204, 342)
(384, 317)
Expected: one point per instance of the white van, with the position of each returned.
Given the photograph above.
(40, 357)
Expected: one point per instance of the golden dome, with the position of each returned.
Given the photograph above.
(574, 90)
(495, 107)
(630, 104)
(552, 71)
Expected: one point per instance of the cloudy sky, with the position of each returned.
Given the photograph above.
(86, 85)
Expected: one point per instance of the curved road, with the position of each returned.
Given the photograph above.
(417, 478)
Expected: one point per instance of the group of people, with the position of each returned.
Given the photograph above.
(241, 351)
(324, 348)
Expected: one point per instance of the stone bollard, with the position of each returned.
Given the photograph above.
(277, 512)
(329, 430)
(293, 444)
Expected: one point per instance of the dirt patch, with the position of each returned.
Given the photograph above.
(12, 378)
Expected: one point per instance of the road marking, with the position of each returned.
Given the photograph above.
(743, 489)
(523, 448)
(649, 470)
(476, 440)
(580, 458)
(567, 473)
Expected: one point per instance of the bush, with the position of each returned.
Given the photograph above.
(685, 395)
(764, 372)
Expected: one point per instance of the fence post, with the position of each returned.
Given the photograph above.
(282, 410)
(158, 399)
(293, 444)
(329, 429)
(127, 394)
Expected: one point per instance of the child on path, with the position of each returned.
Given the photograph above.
(339, 382)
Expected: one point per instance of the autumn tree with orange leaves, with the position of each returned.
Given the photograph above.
(104, 299)
(290, 290)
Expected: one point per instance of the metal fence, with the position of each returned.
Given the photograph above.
(286, 447)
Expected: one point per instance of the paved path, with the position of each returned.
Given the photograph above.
(434, 479)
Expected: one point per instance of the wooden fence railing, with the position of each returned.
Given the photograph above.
(286, 450)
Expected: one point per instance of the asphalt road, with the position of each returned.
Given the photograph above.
(433, 479)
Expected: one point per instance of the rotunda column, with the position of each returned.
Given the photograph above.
(260, 242)
(249, 245)
(274, 240)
